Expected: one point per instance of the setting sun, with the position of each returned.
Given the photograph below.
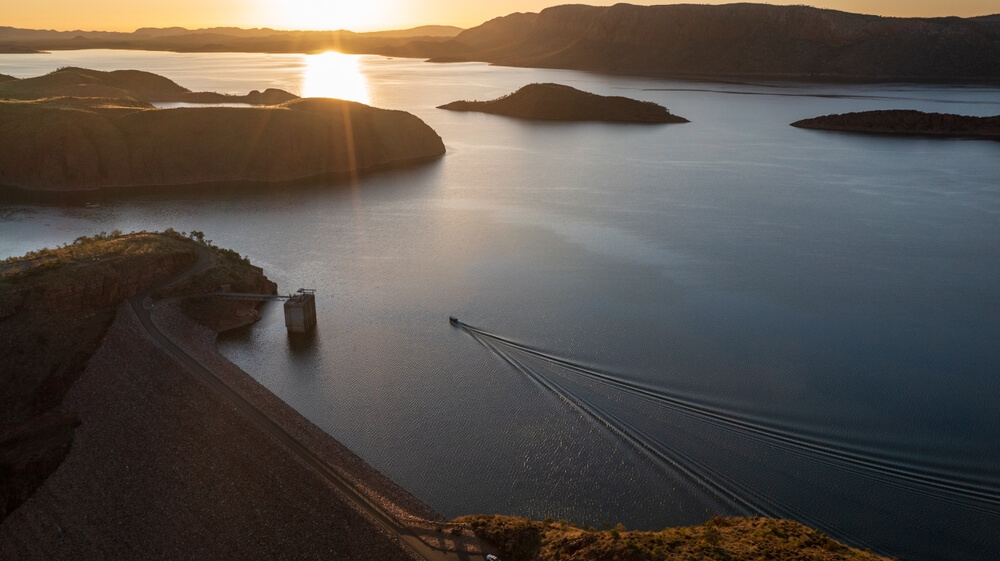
(334, 75)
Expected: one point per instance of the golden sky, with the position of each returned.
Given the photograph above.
(366, 15)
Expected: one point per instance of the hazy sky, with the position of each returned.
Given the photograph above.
(366, 15)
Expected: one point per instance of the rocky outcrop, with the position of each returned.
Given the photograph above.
(555, 102)
(737, 40)
(76, 143)
(905, 122)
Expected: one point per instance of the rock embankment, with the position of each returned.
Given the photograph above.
(110, 139)
(164, 468)
(908, 123)
(556, 102)
(55, 308)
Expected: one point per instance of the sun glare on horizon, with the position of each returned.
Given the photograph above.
(336, 75)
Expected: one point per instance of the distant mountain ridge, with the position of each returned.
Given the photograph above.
(736, 40)
(218, 39)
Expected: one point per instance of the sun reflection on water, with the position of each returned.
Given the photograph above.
(336, 75)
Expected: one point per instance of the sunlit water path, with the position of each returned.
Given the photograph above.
(730, 315)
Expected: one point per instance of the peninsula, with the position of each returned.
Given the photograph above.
(907, 123)
(556, 102)
(78, 129)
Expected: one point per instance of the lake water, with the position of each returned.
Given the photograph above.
(663, 323)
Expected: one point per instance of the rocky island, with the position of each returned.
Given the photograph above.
(907, 123)
(556, 102)
(77, 129)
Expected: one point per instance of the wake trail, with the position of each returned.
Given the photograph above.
(737, 497)
(858, 460)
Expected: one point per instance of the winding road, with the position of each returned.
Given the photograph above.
(372, 510)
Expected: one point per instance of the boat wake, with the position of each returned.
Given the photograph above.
(973, 491)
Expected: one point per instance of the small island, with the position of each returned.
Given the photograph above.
(556, 102)
(76, 129)
(907, 123)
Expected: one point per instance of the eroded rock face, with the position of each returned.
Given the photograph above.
(70, 145)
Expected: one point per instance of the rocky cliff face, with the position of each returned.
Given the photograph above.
(741, 40)
(63, 144)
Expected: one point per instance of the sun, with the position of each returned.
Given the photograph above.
(353, 15)
(335, 75)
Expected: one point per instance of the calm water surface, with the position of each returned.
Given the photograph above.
(663, 322)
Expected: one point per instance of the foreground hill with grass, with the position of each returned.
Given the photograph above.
(729, 539)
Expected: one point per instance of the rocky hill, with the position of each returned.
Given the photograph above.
(736, 40)
(556, 102)
(907, 122)
(219, 39)
(113, 137)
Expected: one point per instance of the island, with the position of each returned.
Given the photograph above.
(907, 123)
(556, 102)
(165, 449)
(78, 129)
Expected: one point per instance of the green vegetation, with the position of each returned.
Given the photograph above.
(724, 539)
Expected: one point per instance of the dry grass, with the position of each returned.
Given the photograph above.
(729, 539)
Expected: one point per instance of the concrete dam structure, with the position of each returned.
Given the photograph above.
(300, 307)
(300, 311)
